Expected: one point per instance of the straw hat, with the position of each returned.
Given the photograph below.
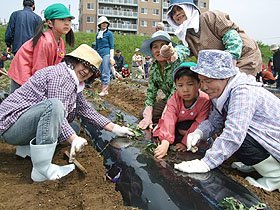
(215, 64)
(86, 53)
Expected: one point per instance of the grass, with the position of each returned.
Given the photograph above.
(126, 43)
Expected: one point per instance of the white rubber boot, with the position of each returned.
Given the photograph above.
(104, 91)
(270, 170)
(242, 167)
(43, 169)
(23, 151)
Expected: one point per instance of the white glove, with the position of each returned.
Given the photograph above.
(193, 139)
(193, 166)
(122, 131)
(77, 145)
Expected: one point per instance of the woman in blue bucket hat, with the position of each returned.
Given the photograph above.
(46, 48)
(213, 30)
(167, 56)
(246, 114)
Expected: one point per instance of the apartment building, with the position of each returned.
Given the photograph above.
(128, 16)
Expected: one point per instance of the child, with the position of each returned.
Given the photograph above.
(166, 58)
(213, 30)
(45, 48)
(125, 71)
(38, 114)
(186, 108)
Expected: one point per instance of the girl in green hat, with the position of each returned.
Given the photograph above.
(46, 48)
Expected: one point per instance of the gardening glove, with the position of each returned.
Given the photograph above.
(192, 140)
(161, 150)
(122, 131)
(77, 145)
(193, 166)
(147, 118)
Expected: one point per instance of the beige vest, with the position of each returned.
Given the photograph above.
(213, 26)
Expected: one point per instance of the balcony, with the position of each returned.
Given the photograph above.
(118, 13)
(123, 27)
(120, 2)
(165, 5)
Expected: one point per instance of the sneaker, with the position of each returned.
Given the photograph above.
(114, 174)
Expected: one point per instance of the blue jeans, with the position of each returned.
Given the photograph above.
(42, 121)
(105, 70)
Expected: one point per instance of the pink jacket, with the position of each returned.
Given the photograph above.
(28, 59)
(175, 111)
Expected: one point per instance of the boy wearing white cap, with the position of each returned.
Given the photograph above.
(246, 114)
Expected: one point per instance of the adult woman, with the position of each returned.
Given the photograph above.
(39, 112)
(105, 48)
(166, 59)
(213, 30)
(246, 114)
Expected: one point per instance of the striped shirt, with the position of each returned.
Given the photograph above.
(50, 82)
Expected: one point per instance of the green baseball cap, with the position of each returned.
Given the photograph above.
(184, 65)
(57, 11)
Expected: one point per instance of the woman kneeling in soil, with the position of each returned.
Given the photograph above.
(39, 112)
(246, 113)
(186, 108)
(166, 59)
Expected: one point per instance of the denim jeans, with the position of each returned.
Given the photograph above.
(14, 86)
(41, 121)
(105, 70)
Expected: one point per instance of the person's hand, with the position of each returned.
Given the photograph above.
(193, 166)
(122, 131)
(112, 61)
(193, 139)
(77, 145)
(167, 51)
(146, 123)
(180, 147)
(161, 150)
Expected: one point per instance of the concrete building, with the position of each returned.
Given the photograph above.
(128, 16)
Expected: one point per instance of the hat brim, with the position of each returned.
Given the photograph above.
(146, 45)
(227, 72)
(274, 48)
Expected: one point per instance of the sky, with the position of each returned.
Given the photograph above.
(258, 18)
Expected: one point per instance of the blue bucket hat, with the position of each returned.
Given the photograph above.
(178, 2)
(157, 36)
(215, 64)
(184, 65)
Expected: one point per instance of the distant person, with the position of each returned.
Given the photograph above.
(119, 60)
(160, 26)
(185, 109)
(38, 114)
(105, 48)
(125, 71)
(147, 65)
(213, 30)
(137, 71)
(245, 115)
(267, 76)
(46, 48)
(276, 63)
(22, 26)
(166, 57)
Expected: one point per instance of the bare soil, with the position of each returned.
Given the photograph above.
(79, 191)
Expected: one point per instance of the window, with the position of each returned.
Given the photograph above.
(90, 19)
(90, 6)
(154, 24)
(156, 1)
(143, 23)
(144, 11)
(89, 30)
(155, 11)
(144, 0)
